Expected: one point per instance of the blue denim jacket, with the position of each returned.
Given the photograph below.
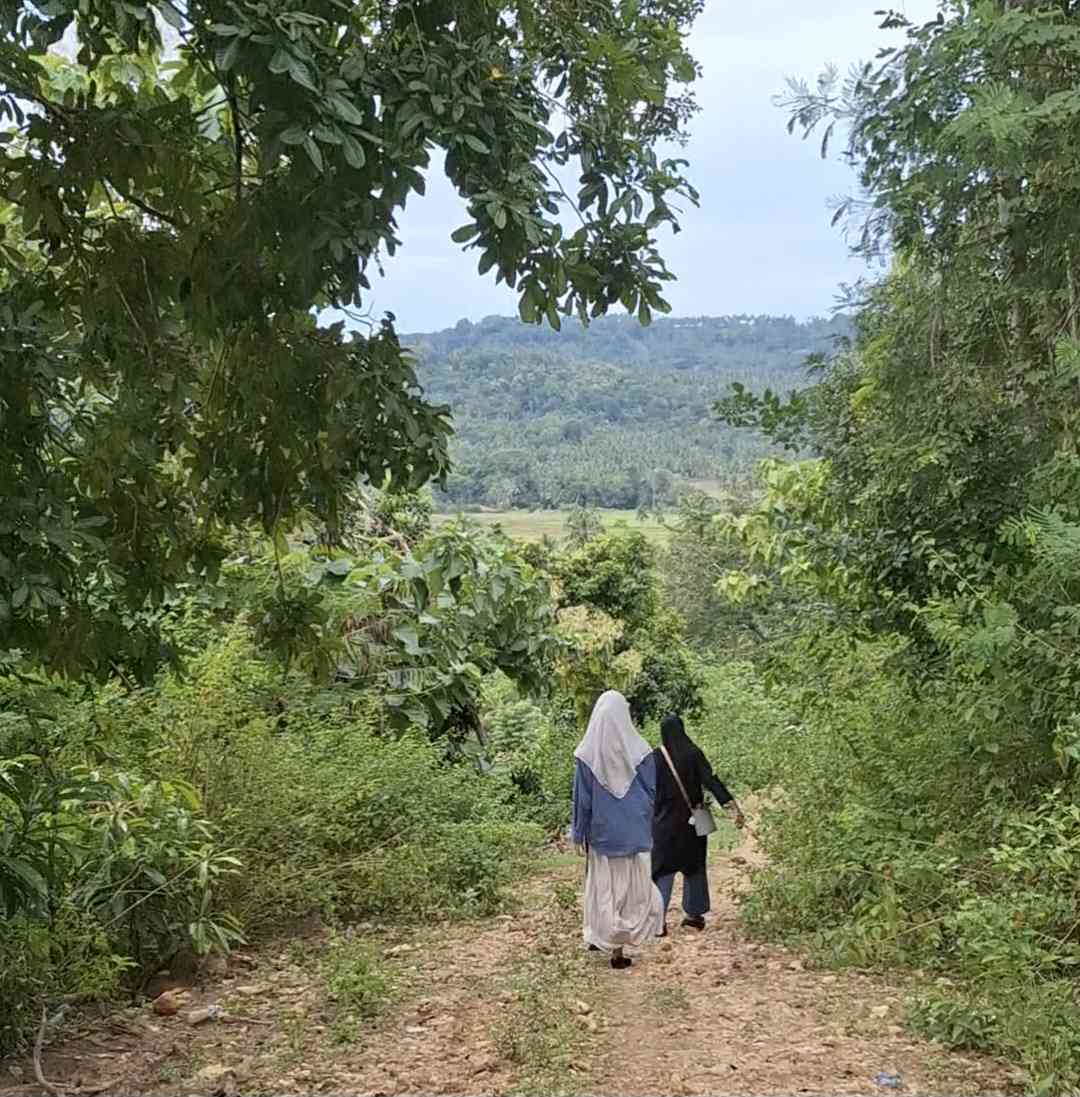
(615, 828)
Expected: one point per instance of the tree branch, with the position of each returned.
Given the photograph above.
(238, 138)
(38, 1072)
(149, 210)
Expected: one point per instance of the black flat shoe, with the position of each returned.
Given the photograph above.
(694, 923)
(663, 932)
(620, 962)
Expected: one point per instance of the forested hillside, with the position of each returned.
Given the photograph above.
(763, 344)
(612, 415)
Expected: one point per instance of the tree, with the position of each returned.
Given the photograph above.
(614, 573)
(171, 225)
(935, 544)
(962, 138)
(615, 576)
(958, 391)
(582, 525)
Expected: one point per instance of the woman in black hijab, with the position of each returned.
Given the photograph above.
(677, 847)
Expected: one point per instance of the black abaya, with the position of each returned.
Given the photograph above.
(676, 845)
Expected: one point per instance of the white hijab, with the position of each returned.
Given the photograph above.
(611, 748)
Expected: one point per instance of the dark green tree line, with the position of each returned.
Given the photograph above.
(604, 415)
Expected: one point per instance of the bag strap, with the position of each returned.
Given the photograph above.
(678, 779)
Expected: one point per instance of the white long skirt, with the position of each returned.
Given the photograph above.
(622, 904)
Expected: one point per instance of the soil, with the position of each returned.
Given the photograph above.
(514, 1004)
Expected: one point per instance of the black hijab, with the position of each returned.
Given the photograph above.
(679, 745)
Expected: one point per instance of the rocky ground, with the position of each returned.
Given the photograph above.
(511, 1004)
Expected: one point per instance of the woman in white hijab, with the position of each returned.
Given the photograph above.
(614, 792)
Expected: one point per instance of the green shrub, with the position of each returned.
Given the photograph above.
(743, 731)
(1035, 1024)
(514, 729)
(531, 749)
(326, 811)
(612, 572)
(101, 872)
(553, 760)
(894, 838)
(67, 957)
(670, 679)
(167, 818)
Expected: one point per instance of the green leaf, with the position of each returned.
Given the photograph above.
(476, 144)
(408, 636)
(345, 110)
(466, 232)
(354, 152)
(280, 62)
(418, 715)
(50, 596)
(173, 17)
(226, 58)
(528, 309)
(294, 135)
(26, 874)
(314, 154)
(299, 73)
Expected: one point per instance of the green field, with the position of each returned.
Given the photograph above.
(532, 525)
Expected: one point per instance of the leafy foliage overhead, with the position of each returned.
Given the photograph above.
(171, 219)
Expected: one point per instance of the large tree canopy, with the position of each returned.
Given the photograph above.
(173, 220)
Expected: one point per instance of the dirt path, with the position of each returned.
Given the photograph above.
(515, 1005)
(715, 1014)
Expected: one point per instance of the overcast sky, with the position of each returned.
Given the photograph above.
(761, 240)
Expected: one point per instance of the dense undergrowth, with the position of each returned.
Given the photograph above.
(177, 818)
(893, 844)
(380, 734)
(909, 826)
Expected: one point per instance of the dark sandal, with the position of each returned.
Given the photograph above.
(663, 932)
(620, 962)
(593, 948)
(694, 923)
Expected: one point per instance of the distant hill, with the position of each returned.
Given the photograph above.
(703, 343)
(613, 415)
